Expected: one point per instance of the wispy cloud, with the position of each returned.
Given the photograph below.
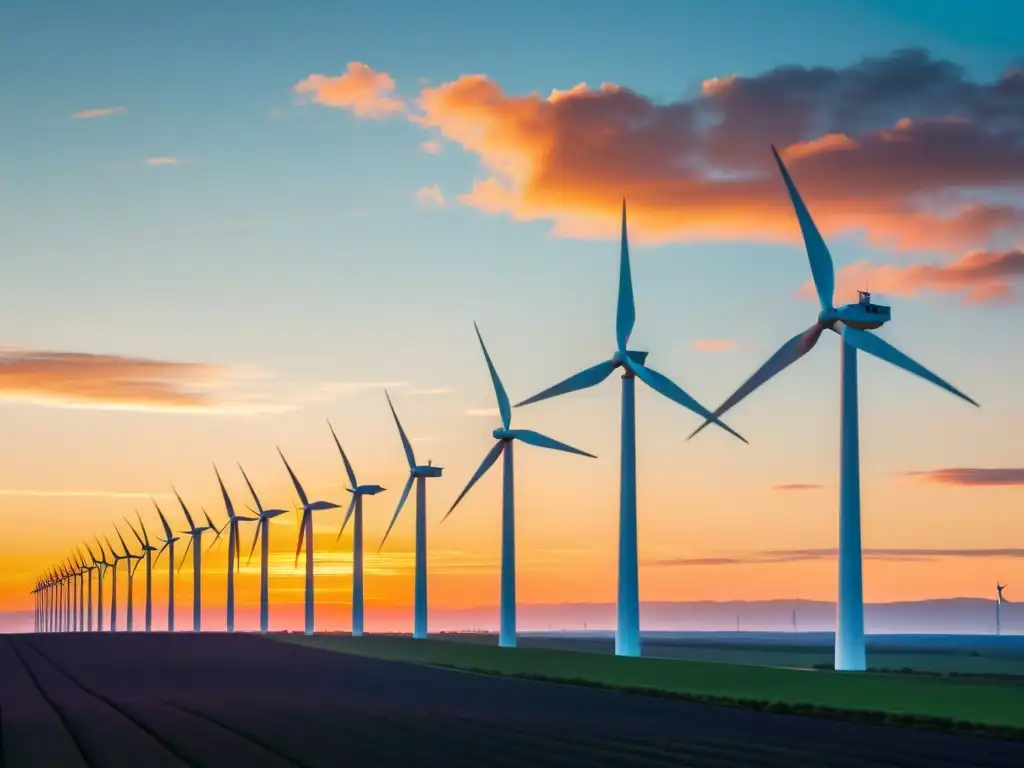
(797, 487)
(331, 390)
(162, 160)
(84, 494)
(360, 89)
(430, 197)
(969, 476)
(798, 555)
(482, 412)
(715, 345)
(91, 114)
(434, 391)
(432, 147)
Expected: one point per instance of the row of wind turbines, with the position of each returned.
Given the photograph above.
(56, 590)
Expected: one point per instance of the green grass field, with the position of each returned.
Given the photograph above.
(936, 702)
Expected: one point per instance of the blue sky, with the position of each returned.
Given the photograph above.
(293, 246)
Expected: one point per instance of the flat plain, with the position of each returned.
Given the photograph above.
(214, 699)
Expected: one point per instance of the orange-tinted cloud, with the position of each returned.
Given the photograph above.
(894, 148)
(80, 379)
(797, 555)
(161, 160)
(430, 197)
(973, 476)
(981, 276)
(90, 114)
(715, 345)
(789, 487)
(361, 89)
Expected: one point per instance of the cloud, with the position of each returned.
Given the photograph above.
(981, 276)
(928, 159)
(159, 160)
(714, 345)
(431, 147)
(361, 89)
(788, 487)
(431, 196)
(482, 412)
(434, 391)
(970, 476)
(83, 494)
(798, 555)
(90, 114)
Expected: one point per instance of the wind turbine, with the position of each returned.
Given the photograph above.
(102, 566)
(305, 531)
(113, 582)
(357, 491)
(128, 556)
(419, 473)
(851, 322)
(627, 635)
(999, 604)
(74, 583)
(505, 437)
(234, 555)
(147, 555)
(195, 534)
(168, 540)
(264, 516)
(66, 586)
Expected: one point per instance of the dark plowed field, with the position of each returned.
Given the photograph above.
(222, 700)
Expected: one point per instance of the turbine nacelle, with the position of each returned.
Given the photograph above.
(864, 315)
(619, 358)
(366, 490)
(428, 470)
(271, 513)
(503, 434)
(317, 506)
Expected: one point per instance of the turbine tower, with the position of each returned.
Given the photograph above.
(113, 583)
(101, 566)
(419, 473)
(195, 536)
(86, 571)
(627, 634)
(852, 323)
(234, 555)
(999, 604)
(264, 516)
(505, 436)
(129, 614)
(357, 491)
(168, 540)
(147, 555)
(306, 532)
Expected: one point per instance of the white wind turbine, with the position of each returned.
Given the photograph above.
(357, 491)
(851, 323)
(419, 473)
(306, 532)
(168, 540)
(234, 554)
(113, 583)
(195, 536)
(505, 436)
(264, 516)
(129, 614)
(87, 569)
(101, 566)
(147, 554)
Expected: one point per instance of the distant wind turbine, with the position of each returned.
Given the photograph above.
(306, 532)
(129, 614)
(627, 634)
(195, 534)
(234, 553)
(113, 583)
(852, 323)
(87, 575)
(357, 491)
(999, 604)
(168, 540)
(505, 437)
(102, 566)
(264, 516)
(419, 473)
(147, 555)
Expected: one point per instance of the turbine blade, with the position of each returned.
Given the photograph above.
(184, 509)
(255, 540)
(137, 537)
(875, 345)
(625, 316)
(822, 270)
(185, 555)
(348, 514)
(157, 558)
(588, 378)
(665, 386)
(238, 551)
(302, 534)
(252, 490)
(499, 390)
(295, 480)
(224, 493)
(344, 458)
(543, 441)
(142, 525)
(787, 354)
(215, 539)
(401, 432)
(167, 527)
(489, 459)
(401, 503)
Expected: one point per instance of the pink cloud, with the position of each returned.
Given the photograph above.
(361, 89)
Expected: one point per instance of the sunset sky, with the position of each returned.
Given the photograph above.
(223, 223)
